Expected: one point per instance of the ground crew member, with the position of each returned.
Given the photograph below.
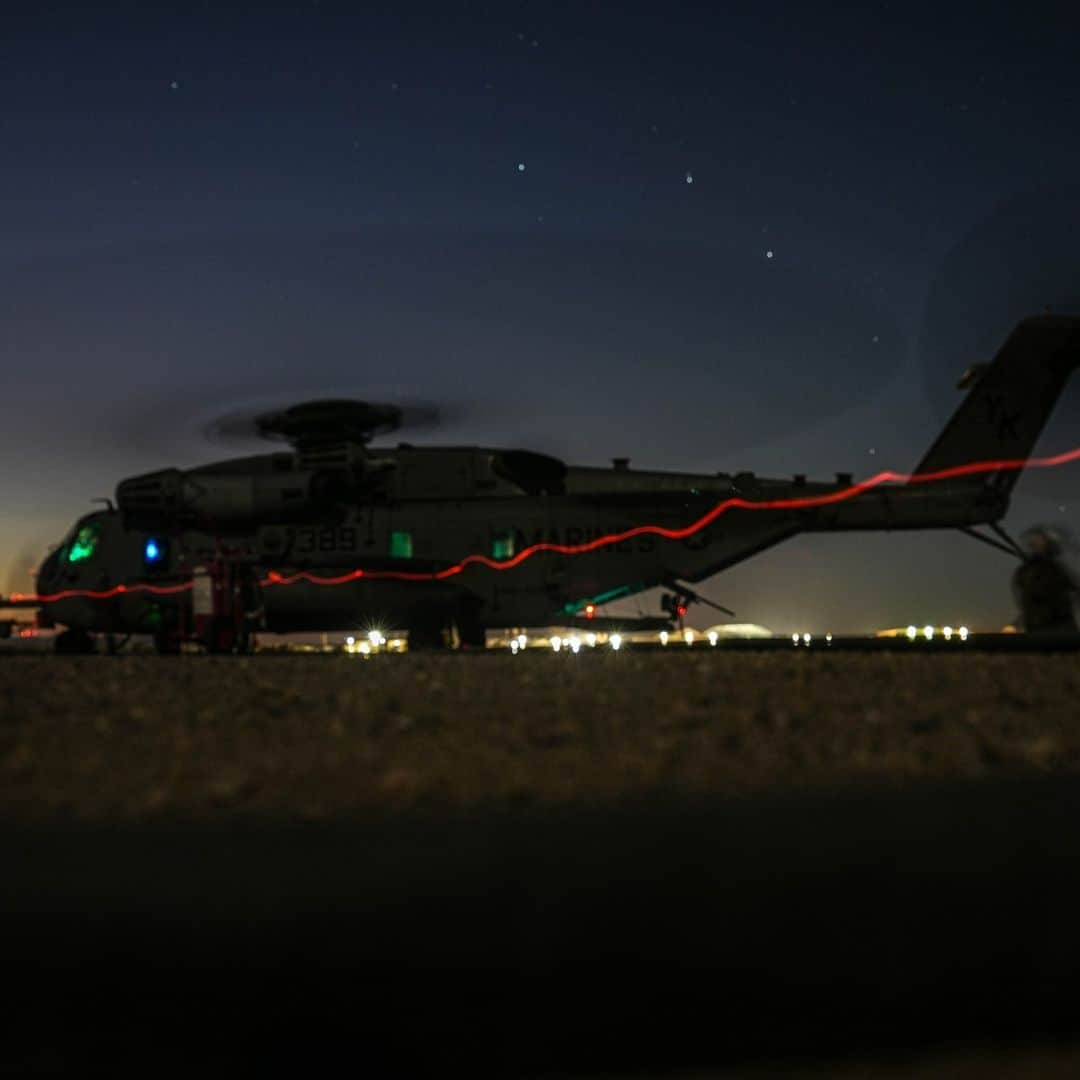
(1044, 587)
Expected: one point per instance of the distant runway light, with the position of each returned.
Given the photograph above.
(590, 640)
(928, 632)
(575, 644)
(963, 633)
(688, 636)
(714, 637)
(947, 631)
(522, 641)
(615, 641)
(828, 638)
(794, 639)
(556, 643)
(350, 640)
(663, 637)
(912, 633)
(806, 639)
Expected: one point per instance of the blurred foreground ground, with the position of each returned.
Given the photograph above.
(326, 737)
(865, 864)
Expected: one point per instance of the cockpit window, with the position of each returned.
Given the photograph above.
(84, 544)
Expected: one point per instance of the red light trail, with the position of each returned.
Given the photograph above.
(807, 502)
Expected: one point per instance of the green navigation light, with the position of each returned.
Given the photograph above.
(85, 544)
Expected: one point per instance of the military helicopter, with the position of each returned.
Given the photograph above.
(332, 531)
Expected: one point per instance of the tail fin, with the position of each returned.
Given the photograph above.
(1010, 399)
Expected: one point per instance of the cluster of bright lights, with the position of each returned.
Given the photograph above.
(927, 633)
(571, 643)
(362, 647)
(373, 642)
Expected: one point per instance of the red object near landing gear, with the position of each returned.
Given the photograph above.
(225, 607)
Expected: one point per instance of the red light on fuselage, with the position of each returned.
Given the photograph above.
(590, 610)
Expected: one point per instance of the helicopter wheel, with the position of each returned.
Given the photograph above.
(427, 634)
(74, 643)
(472, 634)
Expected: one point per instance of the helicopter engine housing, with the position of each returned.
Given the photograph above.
(232, 499)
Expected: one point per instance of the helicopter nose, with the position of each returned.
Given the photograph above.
(48, 572)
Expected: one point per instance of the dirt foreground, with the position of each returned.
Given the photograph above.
(316, 737)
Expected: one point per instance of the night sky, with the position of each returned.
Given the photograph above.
(768, 239)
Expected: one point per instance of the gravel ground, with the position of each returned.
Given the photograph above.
(133, 738)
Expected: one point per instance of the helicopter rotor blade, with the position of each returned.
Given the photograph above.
(316, 420)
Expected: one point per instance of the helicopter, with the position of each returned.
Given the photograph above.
(332, 530)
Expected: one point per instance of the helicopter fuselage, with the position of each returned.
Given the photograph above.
(398, 545)
(336, 533)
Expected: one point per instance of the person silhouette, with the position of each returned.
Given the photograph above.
(1044, 586)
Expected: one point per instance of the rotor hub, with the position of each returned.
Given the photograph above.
(314, 422)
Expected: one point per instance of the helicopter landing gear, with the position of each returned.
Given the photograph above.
(427, 633)
(73, 642)
(679, 600)
(113, 644)
(471, 632)
(226, 639)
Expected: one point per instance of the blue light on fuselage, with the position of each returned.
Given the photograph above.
(152, 551)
